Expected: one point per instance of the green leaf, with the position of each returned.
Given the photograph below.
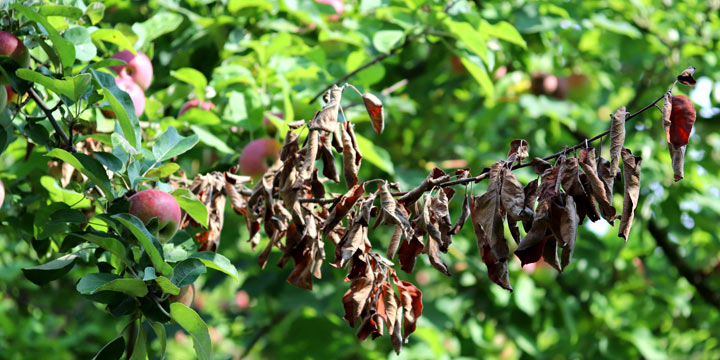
(59, 194)
(163, 171)
(140, 350)
(113, 36)
(85, 50)
(69, 12)
(477, 70)
(105, 63)
(187, 271)
(194, 78)
(109, 160)
(210, 139)
(147, 240)
(159, 329)
(167, 286)
(95, 11)
(96, 282)
(170, 144)
(122, 105)
(375, 154)
(189, 320)
(65, 49)
(88, 166)
(473, 40)
(73, 88)
(43, 274)
(385, 40)
(218, 262)
(159, 24)
(113, 350)
(67, 215)
(190, 203)
(109, 243)
(503, 30)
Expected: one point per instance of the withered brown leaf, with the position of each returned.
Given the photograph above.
(350, 164)
(328, 159)
(573, 186)
(327, 118)
(356, 297)
(464, 215)
(617, 138)
(631, 172)
(564, 224)
(519, 151)
(342, 207)
(311, 150)
(686, 77)
(604, 199)
(411, 300)
(375, 109)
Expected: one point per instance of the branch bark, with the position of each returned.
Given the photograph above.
(48, 113)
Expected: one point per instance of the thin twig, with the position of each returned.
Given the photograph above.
(370, 63)
(48, 112)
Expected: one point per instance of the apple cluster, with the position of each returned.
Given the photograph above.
(134, 77)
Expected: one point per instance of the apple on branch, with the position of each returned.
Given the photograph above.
(138, 68)
(149, 204)
(258, 156)
(12, 47)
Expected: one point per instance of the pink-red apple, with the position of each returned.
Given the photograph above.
(149, 204)
(11, 46)
(138, 67)
(2, 193)
(195, 103)
(258, 156)
(134, 90)
(242, 299)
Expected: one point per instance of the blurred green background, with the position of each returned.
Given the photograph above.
(466, 79)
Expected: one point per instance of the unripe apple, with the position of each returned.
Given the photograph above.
(134, 90)
(258, 156)
(11, 46)
(185, 297)
(149, 204)
(195, 103)
(138, 67)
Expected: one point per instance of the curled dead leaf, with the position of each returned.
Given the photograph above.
(631, 171)
(617, 138)
(375, 109)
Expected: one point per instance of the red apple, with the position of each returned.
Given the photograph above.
(11, 95)
(258, 156)
(134, 90)
(149, 204)
(186, 296)
(11, 46)
(195, 103)
(138, 67)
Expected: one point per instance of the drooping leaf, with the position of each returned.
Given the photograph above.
(311, 150)
(327, 118)
(604, 199)
(681, 119)
(189, 320)
(342, 207)
(87, 165)
(51, 270)
(411, 300)
(464, 215)
(350, 156)
(617, 138)
(519, 151)
(631, 172)
(356, 297)
(573, 186)
(564, 224)
(375, 109)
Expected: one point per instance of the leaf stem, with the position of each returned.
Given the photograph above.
(48, 112)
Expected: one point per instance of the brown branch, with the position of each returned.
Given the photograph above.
(694, 277)
(48, 113)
